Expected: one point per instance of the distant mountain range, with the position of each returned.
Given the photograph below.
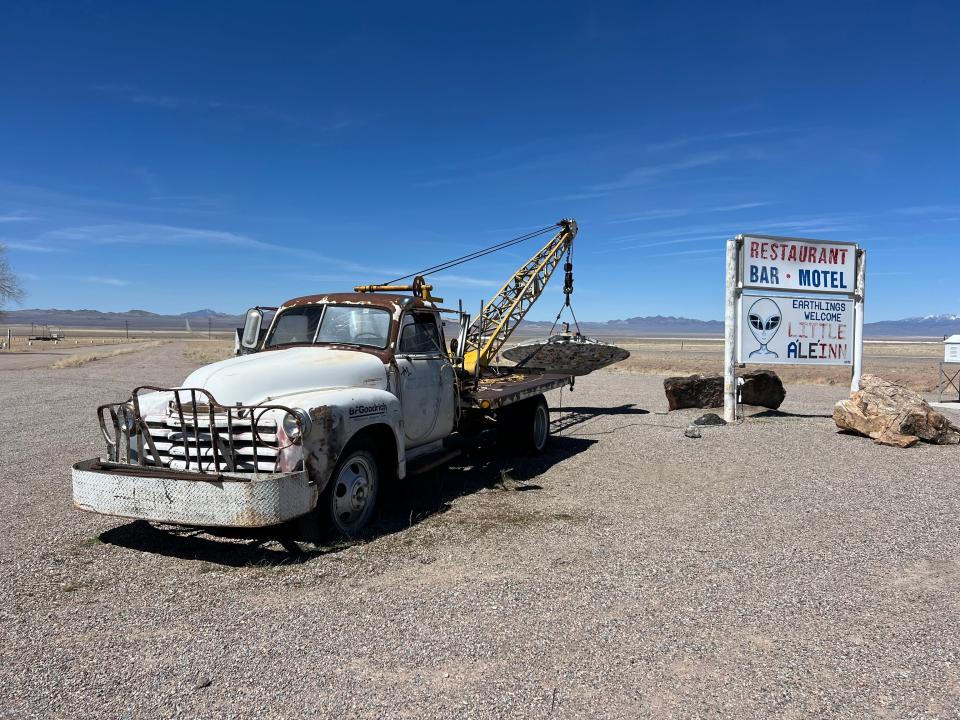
(651, 325)
(137, 319)
(927, 326)
(200, 320)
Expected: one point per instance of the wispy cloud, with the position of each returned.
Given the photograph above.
(840, 222)
(645, 173)
(717, 250)
(137, 96)
(740, 206)
(932, 213)
(485, 169)
(929, 210)
(16, 217)
(575, 196)
(321, 277)
(199, 203)
(661, 243)
(467, 280)
(134, 233)
(150, 234)
(687, 231)
(686, 140)
(106, 280)
(53, 201)
(651, 215)
(664, 214)
(715, 232)
(28, 247)
(436, 182)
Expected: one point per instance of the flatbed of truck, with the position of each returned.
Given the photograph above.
(505, 386)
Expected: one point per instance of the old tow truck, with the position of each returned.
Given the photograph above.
(335, 395)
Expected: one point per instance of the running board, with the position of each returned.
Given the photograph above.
(428, 462)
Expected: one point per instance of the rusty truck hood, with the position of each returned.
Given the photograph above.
(262, 377)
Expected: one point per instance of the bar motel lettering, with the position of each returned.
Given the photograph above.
(822, 332)
(823, 261)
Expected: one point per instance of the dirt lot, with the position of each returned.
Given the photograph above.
(773, 569)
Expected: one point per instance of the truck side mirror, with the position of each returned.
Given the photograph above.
(251, 330)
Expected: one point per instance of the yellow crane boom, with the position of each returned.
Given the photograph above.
(489, 332)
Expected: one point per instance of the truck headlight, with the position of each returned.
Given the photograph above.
(127, 416)
(291, 428)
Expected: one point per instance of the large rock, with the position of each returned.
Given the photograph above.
(694, 391)
(760, 387)
(893, 415)
(763, 388)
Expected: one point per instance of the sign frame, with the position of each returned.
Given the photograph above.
(746, 300)
(734, 292)
(742, 282)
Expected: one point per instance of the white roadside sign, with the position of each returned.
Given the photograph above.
(787, 330)
(813, 266)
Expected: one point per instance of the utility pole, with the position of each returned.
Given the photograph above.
(126, 327)
(209, 328)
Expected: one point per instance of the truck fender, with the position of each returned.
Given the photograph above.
(337, 417)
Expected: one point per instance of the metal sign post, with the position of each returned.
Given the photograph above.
(858, 295)
(730, 333)
(805, 306)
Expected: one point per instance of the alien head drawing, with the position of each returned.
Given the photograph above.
(764, 317)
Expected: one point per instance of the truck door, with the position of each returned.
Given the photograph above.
(426, 379)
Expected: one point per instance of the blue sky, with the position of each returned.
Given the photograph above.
(174, 156)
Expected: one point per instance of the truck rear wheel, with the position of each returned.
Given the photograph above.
(525, 426)
(350, 498)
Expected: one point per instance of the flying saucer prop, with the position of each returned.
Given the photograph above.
(566, 353)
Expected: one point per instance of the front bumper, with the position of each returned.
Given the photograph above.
(188, 498)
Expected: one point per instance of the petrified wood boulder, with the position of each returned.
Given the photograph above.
(763, 388)
(893, 415)
(760, 387)
(694, 391)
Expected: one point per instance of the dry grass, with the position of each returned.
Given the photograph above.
(912, 365)
(209, 352)
(72, 361)
(26, 345)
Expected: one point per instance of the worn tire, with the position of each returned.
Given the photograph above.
(525, 426)
(349, 501)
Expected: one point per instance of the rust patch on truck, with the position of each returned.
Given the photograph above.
(326, 442)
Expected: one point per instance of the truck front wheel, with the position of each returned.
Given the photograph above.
(350, 497)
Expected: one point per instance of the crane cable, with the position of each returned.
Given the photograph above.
(477, 254)
(567, 270)
(567, 291)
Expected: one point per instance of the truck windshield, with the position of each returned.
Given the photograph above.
(345, 324)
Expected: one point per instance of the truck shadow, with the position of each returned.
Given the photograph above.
(570, 417)
(783, 414)
(242, 548)
(481, 467)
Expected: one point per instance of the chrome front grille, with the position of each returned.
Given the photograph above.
(190, 446)
(195, 433)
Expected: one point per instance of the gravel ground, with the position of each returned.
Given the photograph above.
(773, 569)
